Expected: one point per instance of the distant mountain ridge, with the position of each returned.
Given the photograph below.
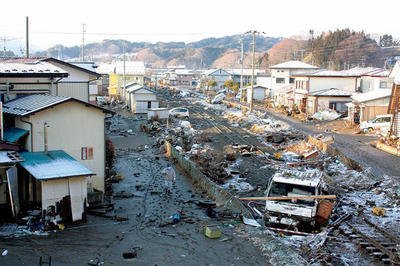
(339, 49)
(202, 53)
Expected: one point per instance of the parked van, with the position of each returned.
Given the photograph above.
(380, 122)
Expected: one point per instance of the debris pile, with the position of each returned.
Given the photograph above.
(206, 159)
(258, 123)
(392, 141)
(326, 115)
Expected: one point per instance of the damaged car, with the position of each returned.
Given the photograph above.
(292, 184)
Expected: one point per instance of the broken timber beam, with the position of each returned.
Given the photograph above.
(290, 197)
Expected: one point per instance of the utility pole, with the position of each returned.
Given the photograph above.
(83, 41)
(123, 73)
(252, 69)
(241, 73)
(302, 54)
(27, 37)
(4, 43)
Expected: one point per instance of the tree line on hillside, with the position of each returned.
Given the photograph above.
(336, 50)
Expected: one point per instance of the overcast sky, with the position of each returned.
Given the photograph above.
(53, 22)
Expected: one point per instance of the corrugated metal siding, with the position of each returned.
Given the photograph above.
(32, 87)
(77, 90)
(259, 94)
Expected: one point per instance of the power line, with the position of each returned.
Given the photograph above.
(137, 33)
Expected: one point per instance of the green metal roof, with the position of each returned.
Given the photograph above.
(13, 134)
(53, 165)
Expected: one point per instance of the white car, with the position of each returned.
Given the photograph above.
(179, 112)
(378, 123)
(218, 98)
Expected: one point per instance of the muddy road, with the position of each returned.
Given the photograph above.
(140, 198)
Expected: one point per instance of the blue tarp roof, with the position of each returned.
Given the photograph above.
(53, 165)
(14, 134)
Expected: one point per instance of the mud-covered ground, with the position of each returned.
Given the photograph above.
(149, 211)
(358, 191)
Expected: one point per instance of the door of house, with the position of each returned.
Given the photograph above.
(303, 105)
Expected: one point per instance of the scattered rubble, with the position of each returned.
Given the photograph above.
(326, 115)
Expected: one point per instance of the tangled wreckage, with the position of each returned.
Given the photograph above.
(288, 181)
(294, 198)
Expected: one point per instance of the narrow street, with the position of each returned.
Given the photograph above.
(149, 231)
(358, 147)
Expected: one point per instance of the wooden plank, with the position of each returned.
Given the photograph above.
(289, 197)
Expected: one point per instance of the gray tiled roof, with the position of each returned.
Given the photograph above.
(30, 68)
(332, 92)
(29, 104)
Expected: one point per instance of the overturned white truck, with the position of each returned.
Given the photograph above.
(303, 190)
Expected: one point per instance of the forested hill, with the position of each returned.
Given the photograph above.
(337, 49)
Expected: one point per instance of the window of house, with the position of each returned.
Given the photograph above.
(383, 84)
(339, 107)
(291, 80)
(148, 104)
(87, 153)
(280, 80)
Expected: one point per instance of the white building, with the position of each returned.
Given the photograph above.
(54, 179)
(25, 76)
(80, 83)
(373, 97)
(44, 75)
(141, 99)
(67, 124)
(340, 84)
(282, 74)
(219, 76)
(259, 93)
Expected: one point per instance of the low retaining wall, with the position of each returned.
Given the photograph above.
(326, 147)
(388, 149)
(219, 195)
(275, 250)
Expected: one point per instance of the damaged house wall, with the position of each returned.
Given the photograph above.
(54, 190)
(74, 128)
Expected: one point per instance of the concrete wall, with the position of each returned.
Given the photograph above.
(221, 196)
(324, 83)
(54, 190)
(368, 83)
(279, 73)
(264, 81)
(72, 126)
(280, 254)
(323, 102)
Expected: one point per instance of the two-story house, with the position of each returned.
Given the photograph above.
(21, 76)
(373, 96)
(282, 75)
(120, 73)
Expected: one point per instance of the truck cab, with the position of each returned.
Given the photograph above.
(293, 183)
